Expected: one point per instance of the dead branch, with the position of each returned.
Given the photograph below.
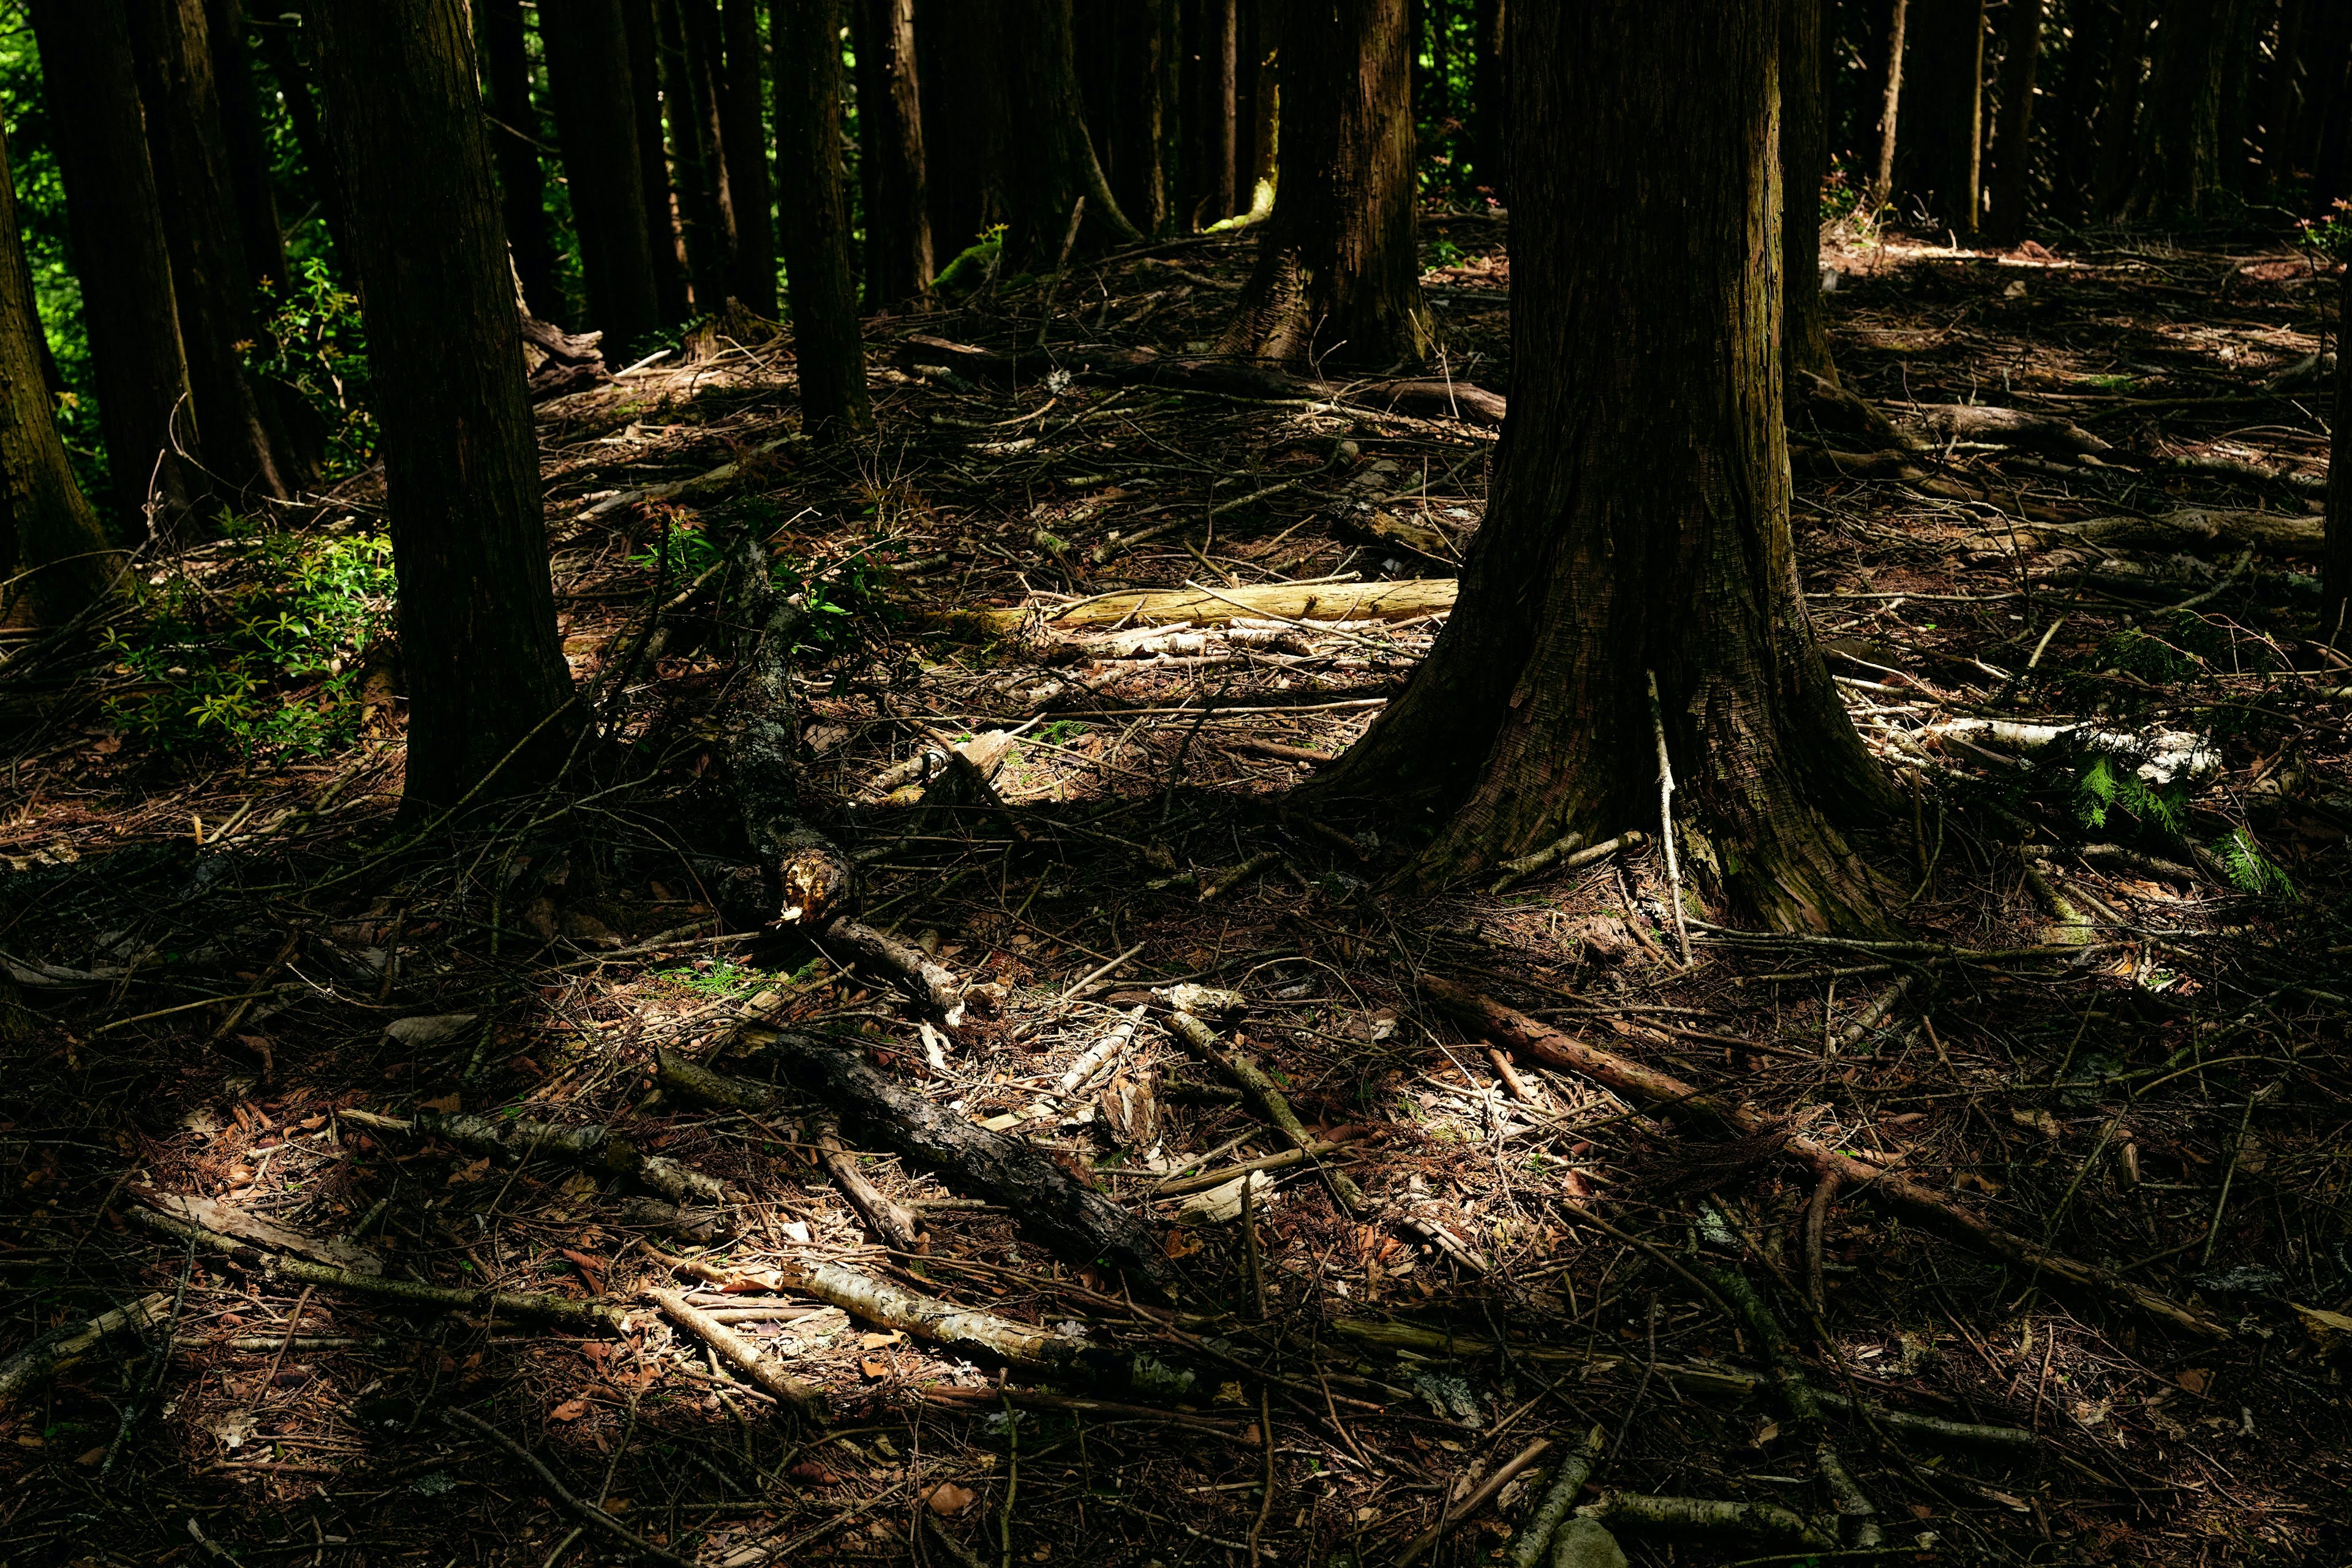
(804, 1397)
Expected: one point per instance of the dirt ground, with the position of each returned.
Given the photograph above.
(2115, 1025)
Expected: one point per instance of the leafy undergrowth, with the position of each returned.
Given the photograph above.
(2118, 1028)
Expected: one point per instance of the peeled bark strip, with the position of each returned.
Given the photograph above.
(743, 1353)
(59, 1349)
(1631, 1078)
(1202, 1041)
(1067, 1214)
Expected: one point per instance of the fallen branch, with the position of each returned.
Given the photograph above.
(992, 1397)
(562, 1493)
(1631, 1078)
(1450, 1516)
(933, 984)
(1857, 1518)
(1408, 599)
(1760, 1522)
(592, 1147)
(893, 1223)
(1202, 1041)
(61, 1347)
(804, 1397)
(1527, 1546)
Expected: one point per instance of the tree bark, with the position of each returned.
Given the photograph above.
(2119, 108)
(1946, 122)
(687, 104)
(1338, 275)
(1639, 523)
(1490, 109)
(2335, 571)
(119, 255)
(513, 122)
(1135, 109)
(2285, 88)
(1056, 165)
(1804, 163)
(2013, 154)
(654, 161)
(806, 35)
(957, 46)
(242, 444)
(489, 698)
(890, 125)
(282, 53)
(745, 138)
(1257, 137)
(1214, 86)
(2180, 134)
(247, 148)
(2088, 40)
(55, 560)
(1890, 104)
(589, 81)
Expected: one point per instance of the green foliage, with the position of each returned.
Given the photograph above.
(1443, 252)
(830, 591)
(315, 344)
(1061, 732)
(2106, 784)
(272, 667)
(2145, 655)
(973, 266)
(2251, 869)
(2330, 233)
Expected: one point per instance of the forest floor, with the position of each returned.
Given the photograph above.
(2116, 1024)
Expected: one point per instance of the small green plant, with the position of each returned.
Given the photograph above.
(315, 343)
(715, 978)
(2251, 870)
(2145, 655)
(271, 668)
(2330, 233)
(1443, 252)
(2116, 383)
(1061, 732)
(2108, 783)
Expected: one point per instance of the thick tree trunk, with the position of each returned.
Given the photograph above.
(687, 104)
(247, 148)
(1490, 101)
(1945, 118)
(2013, 147)
(2180, 134)
(487, 685)
(1338, 275)
(1639, 523)
(957, 48)
(242, 444)
(55, 560)
(513, 121)
(653, 160)
(2119, 108)
(745, 138)
(1804, 163)
(119, 255)
(2335, 575)
(1054, 167)
(1890, 104)
(806, 35)
(890, 123)
(589, 81)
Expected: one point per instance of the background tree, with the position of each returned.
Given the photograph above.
(2013, 154)
(485, 672)
(807, 35)
(1337, 274)
(55, 560)
(1942, 146)
(1804, 165)
(958, 45)
(2180, 132)
(245, 142)
(1127, 58)
(1890, 105)
(504, 47)
(1639, 517)
(744, 135)
(589, 81)
(1490, 97)
(283, 50)
(1209, 127)
(1044, 119)
(2335, 580)
(119, 254)
(2118, 121)
(890, 165)
(689, 105)
(653, 160)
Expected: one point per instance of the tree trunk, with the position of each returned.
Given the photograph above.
(1491, 96)
(1639, 523)
(2335, 572)
(485, 672)
(1055, 167)
(55, 560)
(589, 81)
(1890, 104)
(2285, 88)
(2119, 107)
(513, 122)
(695, 154)
(282, 52)
(247, 148)
(890, 129)
(242, 444)
(1338, 276)
(2180, 134)
(1257, 149)
(745, 138)
(1946, 122)
(1215, 86)
(2088, 41)
(119, 255)
(1135, 109)
(2014, 157)
(958, 51)
(653, 160)
(806, 35)
(1804, 165)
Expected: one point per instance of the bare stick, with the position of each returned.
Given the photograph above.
(1527, 1546)
(792, 1391)
(893, 1222)
(1666, 819)
(1450, 1517)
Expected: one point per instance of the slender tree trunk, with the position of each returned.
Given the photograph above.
(662, 227)
(590, 84)
(1890, 105)
(2180, 134)
(2089, 39)
(485, 672)
(2119, 107)
(696, 161)
(2335, 577)
(2013, 158)
(1491, 97)
(2318, 141)
(1338, 276)
(244, 446)
(2283, 90)
(891, 117)
(1946, 119)
(247, 148)
(119, 255)
(1055, 166)
(746, 140)
(1639, 526)
(1218, 79)
(1804, 163)
(1136, 110)
(282, 53)
(55, 560)
(1254, 190)
(513, 121)
(958, 47)
(806, 35)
